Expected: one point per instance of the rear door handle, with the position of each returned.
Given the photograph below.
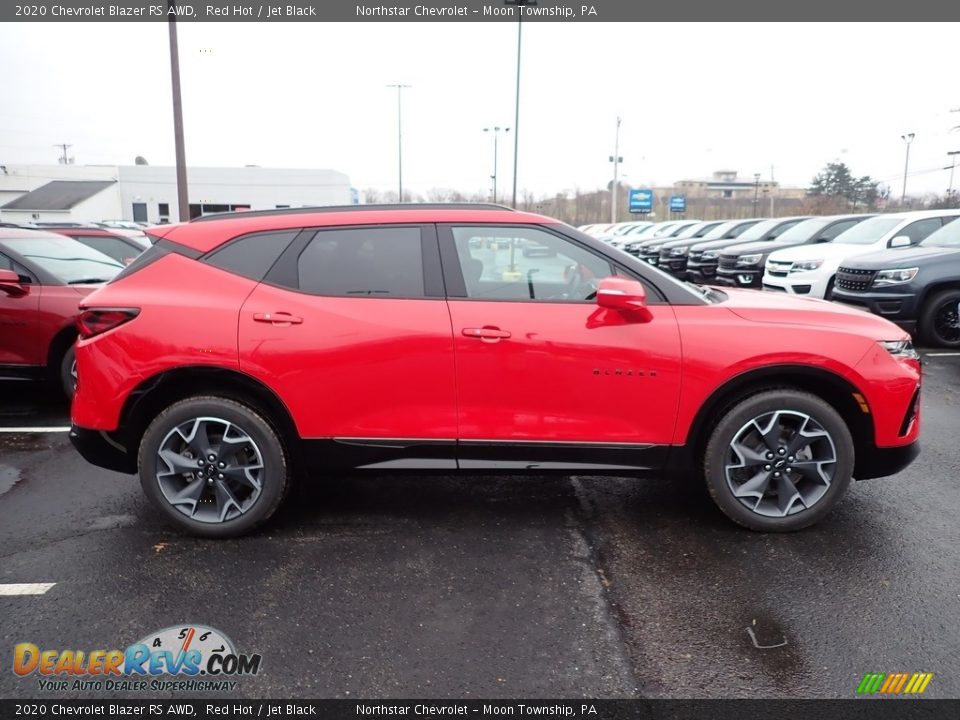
(487, 333)
(277, 318)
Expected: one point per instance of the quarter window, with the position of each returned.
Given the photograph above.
(363, 262)
(503, 263)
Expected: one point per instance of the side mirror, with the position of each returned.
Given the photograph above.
(624, 295)
(900, 241)
(10, 283)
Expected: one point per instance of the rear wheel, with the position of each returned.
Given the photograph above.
(940, 320)
(213, 466)
(779, 461)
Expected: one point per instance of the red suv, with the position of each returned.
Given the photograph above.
(241, 351)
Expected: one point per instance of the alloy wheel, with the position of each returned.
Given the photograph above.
(946, 321)
(210, 469)
(780, 463)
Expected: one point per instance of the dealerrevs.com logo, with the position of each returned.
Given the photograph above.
(199, 657)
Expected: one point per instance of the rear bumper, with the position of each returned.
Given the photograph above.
(881, 462)
(97, 449)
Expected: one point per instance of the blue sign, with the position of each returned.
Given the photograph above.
(678, 203)
(641, 201)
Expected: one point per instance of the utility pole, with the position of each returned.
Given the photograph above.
(183, 202)
(756, 194)
(496, 134)
(953, 163)
(399, 141)
(64, 160)
(908, 138)
(616, 160)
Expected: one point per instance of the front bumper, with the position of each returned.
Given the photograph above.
(676, 266)
(739, 277)
(881, 462)
(899, 307)
(98, 449)
(701, 272)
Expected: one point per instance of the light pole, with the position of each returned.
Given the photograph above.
(953, 162)
(399, 140)
(908, 138)
(183, 202)
(496, 134)
(616, 160)
(516, 103)
(756, 194)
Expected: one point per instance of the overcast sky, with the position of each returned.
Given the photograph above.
(693, 98)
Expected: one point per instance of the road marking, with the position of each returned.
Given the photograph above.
(950, 354)
(25, 588)
(35, 429)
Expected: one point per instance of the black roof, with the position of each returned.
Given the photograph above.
(58, 195)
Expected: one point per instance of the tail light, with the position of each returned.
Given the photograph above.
(94, 322)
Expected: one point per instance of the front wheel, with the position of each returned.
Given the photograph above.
(779, 461)
(213, 467)
(940, 320)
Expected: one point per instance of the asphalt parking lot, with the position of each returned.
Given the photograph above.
(513, 587)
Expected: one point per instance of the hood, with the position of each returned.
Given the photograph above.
(717, 244)
(833, 250)
(784, 309)
(905, 256)
(761, 246)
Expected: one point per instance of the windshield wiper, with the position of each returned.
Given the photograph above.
(87, 281)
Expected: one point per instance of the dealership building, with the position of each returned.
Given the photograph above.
(148, 193)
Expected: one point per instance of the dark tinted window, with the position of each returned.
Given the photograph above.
(378, 262)
(252, 255)
(831, 232)
(782, 229)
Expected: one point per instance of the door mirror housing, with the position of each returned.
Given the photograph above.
(10, 283)
(624, 295)
(900, 241)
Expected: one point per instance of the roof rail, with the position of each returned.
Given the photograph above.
(351, 208)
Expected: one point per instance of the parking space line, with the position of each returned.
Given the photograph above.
(25, 588)
(946, 354)
(35, 429)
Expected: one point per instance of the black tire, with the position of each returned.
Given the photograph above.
(273, 478)
(932, 335)
(791, 405)
(68, 378)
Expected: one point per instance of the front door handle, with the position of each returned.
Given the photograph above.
(487, 333)
(277, 318)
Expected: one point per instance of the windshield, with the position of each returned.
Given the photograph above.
(65, 258)
(663, 229)
(760, 230)
(868, 231)
(948, 236)
(804, 230)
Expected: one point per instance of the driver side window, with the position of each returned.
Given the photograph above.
(526, 263)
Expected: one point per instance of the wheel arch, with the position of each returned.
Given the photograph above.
(836, 391)
(932, 289)
(162, 390)
(61, 342)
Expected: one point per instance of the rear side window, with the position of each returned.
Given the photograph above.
(251, 256)
(363, 262)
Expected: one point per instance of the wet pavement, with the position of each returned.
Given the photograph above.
(507, 587)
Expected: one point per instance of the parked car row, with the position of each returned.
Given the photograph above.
(903, 266)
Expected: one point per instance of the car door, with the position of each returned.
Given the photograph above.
(19, 316)
(545, 378)
(351, 330)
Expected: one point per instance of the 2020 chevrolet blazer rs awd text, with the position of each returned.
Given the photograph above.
(243, 351)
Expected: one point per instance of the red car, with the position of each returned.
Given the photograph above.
(244, 350)
(43, 277)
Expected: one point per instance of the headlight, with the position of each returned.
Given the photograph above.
(678, 252)
(895, 277)
(805, 265)
(900, 348)
(709, 255)
(749, 259)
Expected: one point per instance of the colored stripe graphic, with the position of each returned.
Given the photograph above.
(894, 683)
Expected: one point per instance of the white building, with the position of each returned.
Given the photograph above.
(148, 193)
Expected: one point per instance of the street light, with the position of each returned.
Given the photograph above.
(399, 141)
(516, 103)
(496, 135)
(616, 160)
(908, 138)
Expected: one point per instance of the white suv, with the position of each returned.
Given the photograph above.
(810, 269)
